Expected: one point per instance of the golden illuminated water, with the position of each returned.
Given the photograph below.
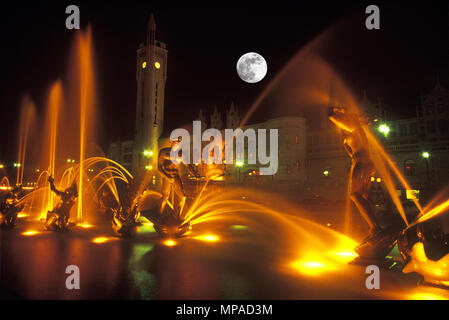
(87, 90)
(49, 149)
(27, 119)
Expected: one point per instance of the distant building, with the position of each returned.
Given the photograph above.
(215, 119)
(122, 152)
(291, 156)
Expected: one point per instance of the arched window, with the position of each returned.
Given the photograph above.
(409, 168)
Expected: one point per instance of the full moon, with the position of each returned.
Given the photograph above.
(251, 67)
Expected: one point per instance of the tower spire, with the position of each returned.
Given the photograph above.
(151, 22)
(151, 29)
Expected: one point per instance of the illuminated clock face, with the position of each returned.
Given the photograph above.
(157, 65)
(144, 65)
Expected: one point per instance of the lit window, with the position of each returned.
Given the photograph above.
(157, 65)
(144, 65)
(412, 194)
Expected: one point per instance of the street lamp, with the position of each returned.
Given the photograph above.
(148, 153)
(239, 164)
(384, 129)
(426, 156)
(326, 173)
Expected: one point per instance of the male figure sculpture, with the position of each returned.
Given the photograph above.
(362, 169)
(58, 218)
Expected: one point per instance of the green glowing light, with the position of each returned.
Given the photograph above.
(326, 173)
(425, 155)
(239, 164)
(394, 252)
(139, 250)
(145, 229)
(394, 263)
(384, 129)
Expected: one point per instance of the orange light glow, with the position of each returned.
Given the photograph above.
(30, 233)
(84, 225)
(344, 256)
(311, 267)
(22, 215)
(426, 296)
(101, 239)
(207, 237)
(169, 243)
(427, 293)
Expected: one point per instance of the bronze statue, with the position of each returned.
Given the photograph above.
(172, 179)
(9, 208)
(125, 216)
(356, 145)
(58, 218)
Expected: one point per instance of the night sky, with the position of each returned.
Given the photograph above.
(393, 64)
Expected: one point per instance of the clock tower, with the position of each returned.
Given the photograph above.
(151, 75)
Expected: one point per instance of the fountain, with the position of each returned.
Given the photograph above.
(299, 245)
